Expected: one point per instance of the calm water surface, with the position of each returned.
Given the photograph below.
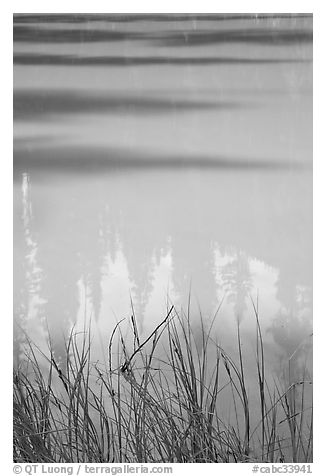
(152, 158)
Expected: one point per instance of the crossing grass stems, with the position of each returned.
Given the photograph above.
(158, 400)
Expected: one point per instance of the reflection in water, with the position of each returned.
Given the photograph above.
(291, 329)
(104, 240)
(27, 274)
(238, 282)
(157, 157)
(178, 37)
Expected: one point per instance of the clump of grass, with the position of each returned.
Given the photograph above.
(159, 400)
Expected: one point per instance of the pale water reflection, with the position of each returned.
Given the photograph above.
(157, 158)
(88, 244)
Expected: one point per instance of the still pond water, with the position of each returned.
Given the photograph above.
(159, 157)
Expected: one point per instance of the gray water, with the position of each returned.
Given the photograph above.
(161, 157)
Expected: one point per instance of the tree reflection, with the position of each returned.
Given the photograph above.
(26, 273)
(292, 330)
(237, 282)
(80, 221)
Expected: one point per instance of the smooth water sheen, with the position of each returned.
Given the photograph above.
(162, 161)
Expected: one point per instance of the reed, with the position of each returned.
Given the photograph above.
(157, 400)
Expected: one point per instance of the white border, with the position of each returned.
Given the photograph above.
(175, 6)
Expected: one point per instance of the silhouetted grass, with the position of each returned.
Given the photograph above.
(159, 400)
